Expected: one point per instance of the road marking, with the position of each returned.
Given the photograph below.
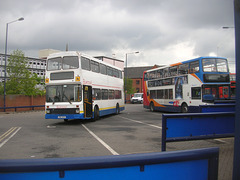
(142, 122)
(101, 141)
(8, 135)
(219, 140)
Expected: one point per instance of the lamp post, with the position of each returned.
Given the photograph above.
(136, 52)
(5, 66)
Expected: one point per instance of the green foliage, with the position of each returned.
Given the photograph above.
(21, 81)
(1, 88)
(129, 88)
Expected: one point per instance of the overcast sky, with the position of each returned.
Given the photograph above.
(163, 31)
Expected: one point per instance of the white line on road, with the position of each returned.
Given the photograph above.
(142, 122)
(101, 141)
(14, 130)
(219, 140)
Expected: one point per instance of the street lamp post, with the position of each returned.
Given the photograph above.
(5, 66)
(136, 52)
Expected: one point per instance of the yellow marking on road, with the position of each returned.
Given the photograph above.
(4, 138)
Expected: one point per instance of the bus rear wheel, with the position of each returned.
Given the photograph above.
(117, 109)
(184, 108)
(96, 113)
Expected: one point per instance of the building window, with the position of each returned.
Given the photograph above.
(137, 82)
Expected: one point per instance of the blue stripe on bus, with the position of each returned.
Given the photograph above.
(81, 116)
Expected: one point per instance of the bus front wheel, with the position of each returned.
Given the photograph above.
(184, 108)
(151, 107)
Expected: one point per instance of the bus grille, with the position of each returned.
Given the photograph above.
(63, 111)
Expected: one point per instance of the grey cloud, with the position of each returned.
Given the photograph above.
(150, 26)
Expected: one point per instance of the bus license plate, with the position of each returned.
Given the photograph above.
(61, 117)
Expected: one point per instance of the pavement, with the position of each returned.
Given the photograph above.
(226, 153)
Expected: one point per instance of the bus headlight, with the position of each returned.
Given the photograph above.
(48, 111)
(77, 111)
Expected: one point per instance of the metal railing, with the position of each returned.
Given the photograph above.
(16, 107)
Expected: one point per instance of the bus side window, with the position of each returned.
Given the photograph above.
(194, 67)
(207, 90)
(196, 93)
(214, 92)
(183, 69)
(109, 71)
(85, 63)
(173, 70)
(103, 69)
(152, 94)
(159, 73)
(165, 72)
(95, 66)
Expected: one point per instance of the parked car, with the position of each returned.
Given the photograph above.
(137, 98)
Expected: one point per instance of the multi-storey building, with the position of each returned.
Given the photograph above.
(35, 65)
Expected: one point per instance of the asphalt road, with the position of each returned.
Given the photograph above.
(135, 130)
(29, 135)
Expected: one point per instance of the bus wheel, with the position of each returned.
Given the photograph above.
(117, 109)
(151, 107)
(65, 120)
(96, 113)
(184, 108)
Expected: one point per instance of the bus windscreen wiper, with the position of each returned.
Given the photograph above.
(67, 98)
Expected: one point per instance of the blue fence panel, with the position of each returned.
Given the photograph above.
(196, 126)
(217, 108)
(189, 164)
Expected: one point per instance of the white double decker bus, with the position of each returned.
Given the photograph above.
(82, 87)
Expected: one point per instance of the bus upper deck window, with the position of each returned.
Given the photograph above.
(70, 62)
(183, 69)
(222, 65)
(194, 67)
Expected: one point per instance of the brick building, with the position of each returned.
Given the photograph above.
(136, 74)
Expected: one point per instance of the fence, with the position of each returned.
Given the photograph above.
(217, 108)
(188, 164)
(197, 126)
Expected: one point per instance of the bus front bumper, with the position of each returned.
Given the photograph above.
(64, 116)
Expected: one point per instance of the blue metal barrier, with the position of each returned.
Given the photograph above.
(196, 126)
(217, 108)
(16, 107)
(189, 164)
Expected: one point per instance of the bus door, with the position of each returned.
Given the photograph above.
(87, 99)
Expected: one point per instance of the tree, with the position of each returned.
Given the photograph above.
(21, 81)
(128, 87)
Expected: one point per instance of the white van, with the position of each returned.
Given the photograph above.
(137, 98)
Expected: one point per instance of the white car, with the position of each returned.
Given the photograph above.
(137, 98)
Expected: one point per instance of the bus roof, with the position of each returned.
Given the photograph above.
(77, 53)
(187, 61)
(195, 59)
